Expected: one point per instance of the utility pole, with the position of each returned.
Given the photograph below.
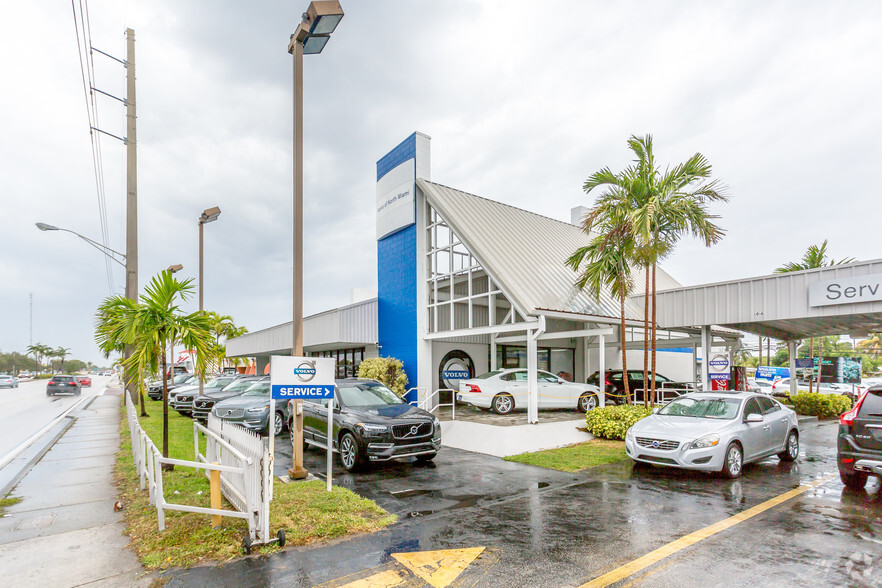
(31, 332)
(131, 187)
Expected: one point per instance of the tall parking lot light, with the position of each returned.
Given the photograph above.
(208, 215)
(311, 36)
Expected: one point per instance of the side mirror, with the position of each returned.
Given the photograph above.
(754, 418)
(655, 410)
(561, 381)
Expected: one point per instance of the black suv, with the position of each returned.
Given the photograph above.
(202, 405)
(859, 448)
(371, 423)
(154, 389)
(615, 384)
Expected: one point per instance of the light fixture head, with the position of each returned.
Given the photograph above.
(209, 215)
(45, 227)
(323, 16)
(314, 44)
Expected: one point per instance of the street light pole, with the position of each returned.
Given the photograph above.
(319, 21)
(208, 215)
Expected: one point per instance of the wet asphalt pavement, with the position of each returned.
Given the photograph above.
(546, 528)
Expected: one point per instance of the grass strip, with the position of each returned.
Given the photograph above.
(7, 502)
(306, 511)
(575, 458)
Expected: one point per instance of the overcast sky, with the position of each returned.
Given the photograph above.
(521, 105)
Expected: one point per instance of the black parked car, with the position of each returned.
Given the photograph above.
(154, 389)
(202, 405)
(63, 384)
(185, 395)
(859, 448)
(371, 424)
(615, 384)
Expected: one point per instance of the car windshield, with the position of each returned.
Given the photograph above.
(703, 408)
(218, 383)
(367, 394)
(63, 378)
(258, 389)
(180, 379)
(488, 375)
(238, 385)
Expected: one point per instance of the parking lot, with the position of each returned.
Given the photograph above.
(780, 524)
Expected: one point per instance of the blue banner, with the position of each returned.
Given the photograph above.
(298, 392)
(765, 372)
(805, 362)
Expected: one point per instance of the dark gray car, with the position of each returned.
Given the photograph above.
(251, 409)
(202, 405)
(63, 385)
(184, 396)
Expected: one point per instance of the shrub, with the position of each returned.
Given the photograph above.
(612, 422)
(823, 406)
(388, 370)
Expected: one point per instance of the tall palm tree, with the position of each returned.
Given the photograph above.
(61, 353)
(223, 327)
(34, 350)
(150, 325)
(659, 208)
(608, 264)
(814, 257)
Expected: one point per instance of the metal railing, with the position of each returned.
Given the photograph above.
(428, 402)
(241, 457)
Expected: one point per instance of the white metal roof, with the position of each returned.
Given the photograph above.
(526, 253)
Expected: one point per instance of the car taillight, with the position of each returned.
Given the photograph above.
(606, 379)
(473, 388)
(51, 382)
(847, 418)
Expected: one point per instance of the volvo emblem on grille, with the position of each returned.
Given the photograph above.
(229, 413)
(655, 444)
(413, 431)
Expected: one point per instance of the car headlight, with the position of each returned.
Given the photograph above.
(436, 422)
(630, 433)
(706, 441)
(256, 409)
(375, 429)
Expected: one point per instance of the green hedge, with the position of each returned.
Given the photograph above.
(612, 422)
(823, 406)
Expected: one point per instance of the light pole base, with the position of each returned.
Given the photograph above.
(296, 474)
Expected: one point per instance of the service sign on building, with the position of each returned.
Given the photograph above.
(718, 367)
(301, 378)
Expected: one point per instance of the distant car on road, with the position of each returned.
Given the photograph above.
(859, 445)
(718, 432)
(502, 391)
(85, 381)
(7, 381)
(60, 384)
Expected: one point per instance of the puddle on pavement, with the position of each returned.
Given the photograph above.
(459, 501)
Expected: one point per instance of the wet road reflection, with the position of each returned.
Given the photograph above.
(559, 529)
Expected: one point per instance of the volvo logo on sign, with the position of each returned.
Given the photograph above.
(305, 372)
(719, 367)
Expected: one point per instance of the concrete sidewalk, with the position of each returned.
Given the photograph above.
(64, 532)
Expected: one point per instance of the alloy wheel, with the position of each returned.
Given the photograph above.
(733, 459)
(793, 446)
(503, 403)
(587, 402)
(278, 424)
(347, 452)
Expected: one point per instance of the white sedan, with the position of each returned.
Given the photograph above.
(717, 432)
(505, 390)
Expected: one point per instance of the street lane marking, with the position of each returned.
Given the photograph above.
(439, 568)
(385, 579)
(673, 547)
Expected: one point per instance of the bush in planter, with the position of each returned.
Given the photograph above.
(612, 422)
(388, 370)
(823, 406)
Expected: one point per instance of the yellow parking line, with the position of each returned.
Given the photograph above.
(673, 547)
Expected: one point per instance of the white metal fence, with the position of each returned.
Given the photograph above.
(245, 467)
(430, 402)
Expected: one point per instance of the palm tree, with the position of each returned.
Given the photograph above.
(658, 209)
(34, 350)
(608, 264)
(61, 353)
(150, 326)
(814, 257)
(223, 327)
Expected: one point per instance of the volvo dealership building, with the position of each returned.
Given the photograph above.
(466, 285)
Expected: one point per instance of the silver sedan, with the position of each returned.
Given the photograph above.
(717, 432)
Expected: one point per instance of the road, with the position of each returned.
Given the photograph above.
(26, 410)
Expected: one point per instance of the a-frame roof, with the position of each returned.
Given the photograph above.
(525, 253)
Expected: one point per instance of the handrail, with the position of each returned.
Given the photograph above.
(437, 392)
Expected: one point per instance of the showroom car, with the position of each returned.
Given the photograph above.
(251, 409)
(503, 391)
(60, 384)
(202, 405)
(715, 432)
(185, 395)
(859, 444)
(371, 424)
(7, 381)
(615, 384)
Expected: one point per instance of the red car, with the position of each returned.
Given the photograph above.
(85, 381)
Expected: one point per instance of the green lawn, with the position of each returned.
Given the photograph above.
(574, 458)
(305, 510)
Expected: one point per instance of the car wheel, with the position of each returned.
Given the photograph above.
(279, 423)
(855, 481)
(791, 450)
(349, 453)
(426, 457)
(502, 403)
(733, 461)
(587, 401)
(48, 393)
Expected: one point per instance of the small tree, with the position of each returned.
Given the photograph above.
(388, 370)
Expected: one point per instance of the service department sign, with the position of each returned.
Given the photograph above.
(846, 291)
(718, 367)
(302, 378)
